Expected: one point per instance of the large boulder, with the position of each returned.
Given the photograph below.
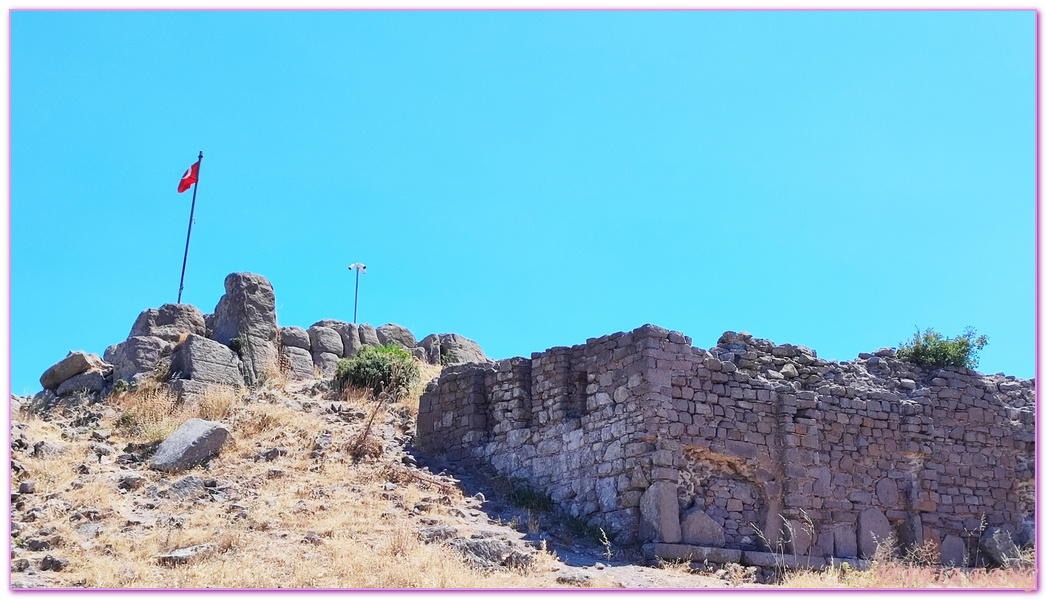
(169, 322)
(296, 362)
(391, 333)
(999, 546)
(456, 350)
(90, 381)
(74, 363)
(699, 529)
(194, 442)
(136, 357)
(201, 359)
(660, 514)
(430, 344)
(247, 311)
(349, 332)
(295, 337)
(327, 362)
(368, 335)
(325, 339)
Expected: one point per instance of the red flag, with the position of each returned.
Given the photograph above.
(190, 177)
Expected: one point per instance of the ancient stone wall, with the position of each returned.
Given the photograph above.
(750, 445)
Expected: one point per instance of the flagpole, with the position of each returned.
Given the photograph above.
(192, 209)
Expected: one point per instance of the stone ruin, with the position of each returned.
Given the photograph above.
(239, 344)
(749, 447)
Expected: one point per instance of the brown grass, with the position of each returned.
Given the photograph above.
(367, 537)
(913, 571)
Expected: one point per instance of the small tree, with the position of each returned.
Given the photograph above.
(384, 368)
(932, 349)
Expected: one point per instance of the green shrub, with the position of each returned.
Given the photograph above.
(384, 368)
(236, 345)
(932, 349)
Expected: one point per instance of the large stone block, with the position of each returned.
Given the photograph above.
(136, 357)
(873, 530)
(194, 442)
(248, 311)
(206, 360)
(953, 552)
(699, 529)
(660, 514)
(296, 362)
(74, 363)
(169, 322)
(845, 544)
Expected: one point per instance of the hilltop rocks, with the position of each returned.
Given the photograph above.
(296, 362)
(248, 311)
(391, 333)
(204, 360)
(452, 349)
(74, 363)
(136, 357)
(194, 442)
(368, 335)
(169, 322)
(325, 340)
(294, 337)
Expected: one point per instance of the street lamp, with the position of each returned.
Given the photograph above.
(359, 268)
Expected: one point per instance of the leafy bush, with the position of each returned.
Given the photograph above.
(384, 368)
(932, 349)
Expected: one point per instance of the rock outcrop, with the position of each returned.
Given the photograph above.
(247, 312)
(169, 322)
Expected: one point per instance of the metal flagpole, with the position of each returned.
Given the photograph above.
(185, 258)
(358, 267)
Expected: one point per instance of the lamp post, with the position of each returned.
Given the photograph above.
(359, 268)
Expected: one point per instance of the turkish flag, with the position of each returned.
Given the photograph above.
(190, 177)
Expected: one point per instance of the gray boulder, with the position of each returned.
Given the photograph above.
(182, 556)
(699, 529)
(431, 345)
(327, 362)
(74, 363)
(205, 360)
(368, 335)
(295, 337)
(456, 350)
(91, 381)
(349, 332)
(296, 362)
(136, 357)
(391, 333)
(325, 339)
(248, 311)
(194, 442)
(1000, 547)
(660, 514)
(873, 530)
(169, 322)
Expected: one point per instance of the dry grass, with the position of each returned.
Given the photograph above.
(367, 535)
(913, 572)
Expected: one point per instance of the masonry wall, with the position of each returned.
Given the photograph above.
(750, 434)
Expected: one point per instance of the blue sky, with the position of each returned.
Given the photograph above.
(530, 179)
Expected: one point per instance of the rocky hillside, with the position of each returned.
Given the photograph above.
(311, 488)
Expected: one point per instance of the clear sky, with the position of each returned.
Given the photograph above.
(530, 179)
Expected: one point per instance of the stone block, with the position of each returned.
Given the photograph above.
(660, 514)
(194, 442)
(698, 529)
